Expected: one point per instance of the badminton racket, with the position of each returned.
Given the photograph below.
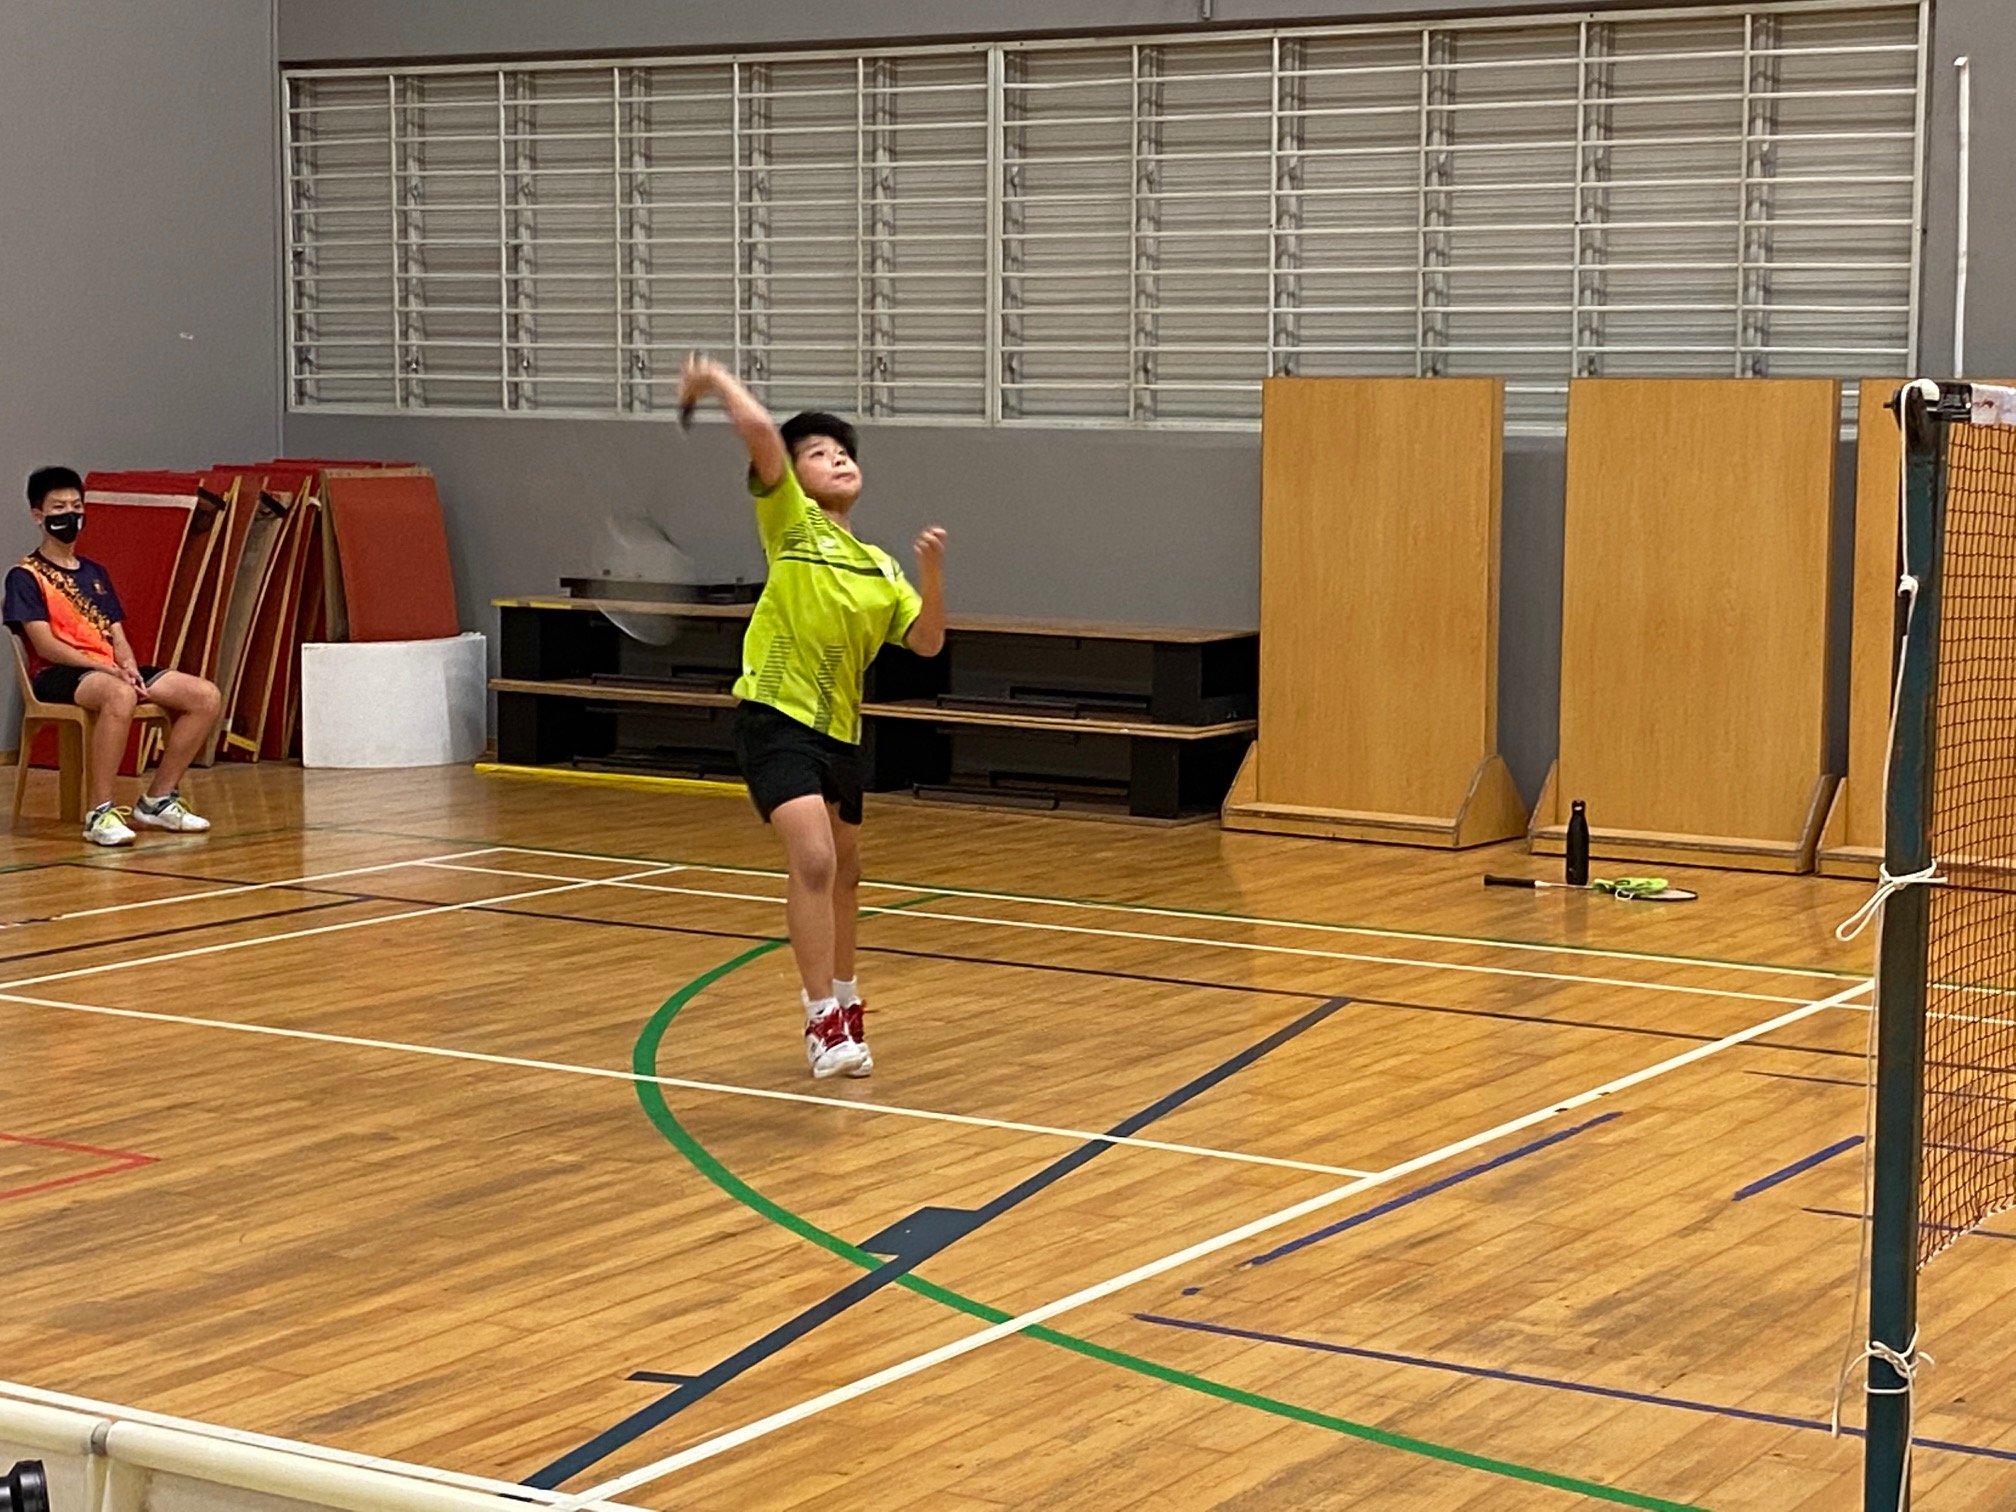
(1626, 889)
(641, 565)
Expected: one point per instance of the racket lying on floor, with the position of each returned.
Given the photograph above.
(1628, 889)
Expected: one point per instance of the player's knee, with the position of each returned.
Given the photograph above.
(847, 868)
(207, 701)
(119, 702)
(815, 867)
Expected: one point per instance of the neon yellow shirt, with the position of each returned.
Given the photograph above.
(830, 604)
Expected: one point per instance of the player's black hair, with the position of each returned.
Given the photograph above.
(46, 480)
(819, 423)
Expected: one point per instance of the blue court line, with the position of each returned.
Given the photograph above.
(1786, 1173)
(1418, 1193)
(1551, 1383)
(660, 1377)
(911, 1242)
(1944, 1228)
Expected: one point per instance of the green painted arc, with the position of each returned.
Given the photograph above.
(644, 1061)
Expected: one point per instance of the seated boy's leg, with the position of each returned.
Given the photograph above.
(112, 699)
(194, 706)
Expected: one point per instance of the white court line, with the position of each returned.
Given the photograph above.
(321, 929)
(735, 1438)
(14, 1391)
(685, 1084)
(1245, 945)
(1150, 911)
(240, 887)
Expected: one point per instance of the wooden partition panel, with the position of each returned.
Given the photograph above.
(1694, 619)
(1379, 613)
(1852, 845)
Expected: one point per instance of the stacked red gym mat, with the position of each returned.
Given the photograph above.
(225, 573)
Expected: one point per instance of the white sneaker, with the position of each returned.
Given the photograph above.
(106, 825)
(828, 1049)
(169, 813)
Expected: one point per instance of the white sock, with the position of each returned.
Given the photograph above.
(813, 1008)
(847, 993)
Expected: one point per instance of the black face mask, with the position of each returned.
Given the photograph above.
(64, 527)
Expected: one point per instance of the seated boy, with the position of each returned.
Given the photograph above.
(63, 607)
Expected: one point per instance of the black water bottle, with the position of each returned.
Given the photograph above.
(24, 1488)
(1578, 845)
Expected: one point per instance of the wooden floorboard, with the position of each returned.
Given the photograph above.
(328, 1126)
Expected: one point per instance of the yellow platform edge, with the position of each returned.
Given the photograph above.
(612, 779)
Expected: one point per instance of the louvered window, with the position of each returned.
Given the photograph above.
(1118, 232)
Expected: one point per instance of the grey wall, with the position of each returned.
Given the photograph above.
(1107, 524)
(331, 31)
(1089, 524)
(138, 261)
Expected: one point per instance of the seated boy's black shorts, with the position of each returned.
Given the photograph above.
(58, 685)
(782, 759)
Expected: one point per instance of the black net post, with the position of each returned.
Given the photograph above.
(1900, 979)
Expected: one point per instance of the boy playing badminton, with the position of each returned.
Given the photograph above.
(831, 602)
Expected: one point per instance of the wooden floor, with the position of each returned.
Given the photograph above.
(361, 1156)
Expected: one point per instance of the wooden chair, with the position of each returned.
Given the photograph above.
(74, 727)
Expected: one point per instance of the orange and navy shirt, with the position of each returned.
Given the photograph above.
(92, 596)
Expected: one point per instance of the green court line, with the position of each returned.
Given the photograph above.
(1595, 952)
(644, 1062)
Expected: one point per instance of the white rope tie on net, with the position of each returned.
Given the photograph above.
(1907, 589)
(1886, 884)
(1907, 1364)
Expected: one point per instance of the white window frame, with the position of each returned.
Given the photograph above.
(1000, 318)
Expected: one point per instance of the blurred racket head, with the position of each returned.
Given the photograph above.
(639, 564)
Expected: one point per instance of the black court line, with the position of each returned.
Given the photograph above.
(910, 1242)
(29, 866)
(1154, 979)
(231, 840)
(1944, 1228)
(225, 883)
(1501, 1015)
(1644, 1031)
(1825, 1081)
(175, 929)
(1860, 1084)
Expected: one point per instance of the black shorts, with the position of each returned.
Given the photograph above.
(782, 759)
(59, 684)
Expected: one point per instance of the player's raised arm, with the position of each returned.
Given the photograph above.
(768, 458)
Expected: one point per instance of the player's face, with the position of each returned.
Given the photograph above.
(826, 472)
(62, 513)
